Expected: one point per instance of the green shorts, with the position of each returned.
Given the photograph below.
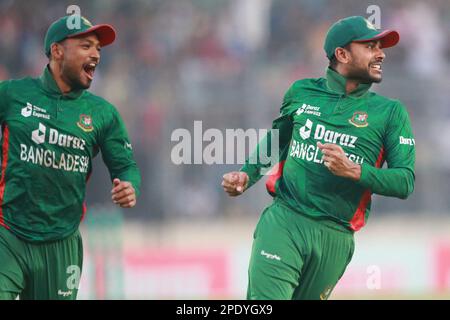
(41, 271)
(296, 257)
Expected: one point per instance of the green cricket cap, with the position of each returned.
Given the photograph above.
(358, 29)
(76, 25)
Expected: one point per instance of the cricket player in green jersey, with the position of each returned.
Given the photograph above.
(334, 136)
(52, 129)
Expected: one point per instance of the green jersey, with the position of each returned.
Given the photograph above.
(370, 128)
(48, 143)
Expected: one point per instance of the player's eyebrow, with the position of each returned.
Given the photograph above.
(91, 42)
(374, 42)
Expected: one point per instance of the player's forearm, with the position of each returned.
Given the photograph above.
(273, 148)
(253, 165)
(267, 154)
(132, 175)
(253, 173)
(392, 182)
(354, 172)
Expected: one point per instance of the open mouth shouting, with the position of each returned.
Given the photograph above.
(89, 69)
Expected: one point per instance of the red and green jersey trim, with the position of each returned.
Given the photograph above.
(274, 175)
(5, 150)
(358, 220)
(84, 208)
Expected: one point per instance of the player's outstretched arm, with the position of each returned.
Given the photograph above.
(235, 183)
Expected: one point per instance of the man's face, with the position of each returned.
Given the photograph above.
(81, 57)
(365, 63)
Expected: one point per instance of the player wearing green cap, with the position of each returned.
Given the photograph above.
(52, 129)
(334, 136)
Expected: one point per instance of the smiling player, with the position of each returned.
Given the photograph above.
(334, 137)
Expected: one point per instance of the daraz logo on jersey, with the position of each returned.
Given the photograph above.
(38, 136)
(328, 136)
(54, 137)
(305, 131)
(311, 153)
(52, 158)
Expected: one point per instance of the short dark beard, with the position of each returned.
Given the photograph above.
(359, 75)
(71, 77)
(362, 76)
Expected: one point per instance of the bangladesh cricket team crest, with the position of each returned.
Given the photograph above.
(85, 123)
(359, 119)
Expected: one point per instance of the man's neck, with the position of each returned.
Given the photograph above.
(350, 85)
(55, 70)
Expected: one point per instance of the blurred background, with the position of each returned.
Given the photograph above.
(228, 64)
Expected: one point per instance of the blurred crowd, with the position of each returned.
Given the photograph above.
(228, 64)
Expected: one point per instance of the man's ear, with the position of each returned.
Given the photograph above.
(56, 51)
(342, 55)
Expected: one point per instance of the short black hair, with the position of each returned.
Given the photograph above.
(332, 62)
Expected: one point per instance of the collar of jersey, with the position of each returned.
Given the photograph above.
(336, 82)
(49, 84)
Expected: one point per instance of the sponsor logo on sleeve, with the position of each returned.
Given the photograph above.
(128, 145)
(407, 141)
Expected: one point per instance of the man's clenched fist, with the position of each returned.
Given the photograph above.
(234, 183)
(123, 194)
(338, 163)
